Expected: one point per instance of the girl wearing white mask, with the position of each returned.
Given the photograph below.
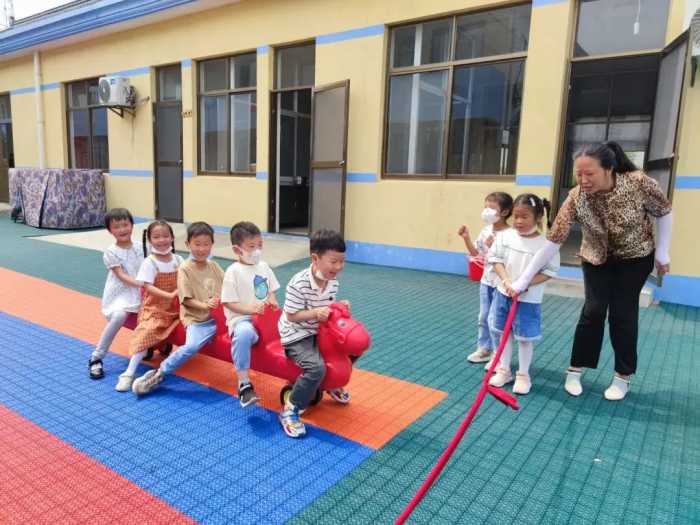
(159, 314)
(249, 284)
(497, 208)
(511, 254)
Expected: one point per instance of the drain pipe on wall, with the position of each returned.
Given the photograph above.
(39, 111)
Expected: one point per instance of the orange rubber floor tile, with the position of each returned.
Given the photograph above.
(372, 418)
(46, 481)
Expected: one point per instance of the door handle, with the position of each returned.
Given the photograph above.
(179, 162)
(341, 163)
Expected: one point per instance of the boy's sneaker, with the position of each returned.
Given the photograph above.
(340, 395)
(522, 384)
(291, 424)
(148, 382)
(503, 376)
(480, 356)
(247, 395)
(124, 383)
(96, 369)
(490, 361)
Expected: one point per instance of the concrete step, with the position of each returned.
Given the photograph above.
(574, 288)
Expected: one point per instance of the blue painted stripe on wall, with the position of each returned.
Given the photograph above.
(687, 183)
(263, 49)
(130, 173)
(49, 87)
(540, 3)
(131, 72)
(80, 20)
(533, 180)
(355, 176)
(187, 174)
(21, 91)
(261, 175)
(404, 257)
(351, 34)
(186, 62)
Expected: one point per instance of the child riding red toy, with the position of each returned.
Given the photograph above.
(339, 338)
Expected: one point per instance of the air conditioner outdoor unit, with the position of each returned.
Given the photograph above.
(116, 91)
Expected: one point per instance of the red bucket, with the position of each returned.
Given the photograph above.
(476, 268)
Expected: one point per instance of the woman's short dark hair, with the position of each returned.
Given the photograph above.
(118, 214)
(503, 199)
(326, 240)
(242, 231)
(199, 228)
(609, 154)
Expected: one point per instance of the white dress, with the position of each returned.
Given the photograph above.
(117, 296)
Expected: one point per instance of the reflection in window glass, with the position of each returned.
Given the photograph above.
(243, 71)
(243, 128)
(425, 43)
(169, 84)
(100, 148)
(213, 133)
(494, 32)
(296, 66)
(618, 26)
(87, 123)
(485, 121)
(80, 138)
(213, 75)
(416, 123)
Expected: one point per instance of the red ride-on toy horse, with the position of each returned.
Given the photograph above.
(339, 338)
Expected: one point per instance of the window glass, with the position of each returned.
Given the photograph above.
(494, 32)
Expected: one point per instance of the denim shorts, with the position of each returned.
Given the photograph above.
(526, 324)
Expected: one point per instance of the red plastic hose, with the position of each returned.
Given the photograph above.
(501, 395)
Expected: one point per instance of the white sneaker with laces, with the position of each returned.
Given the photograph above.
(522, 384)
(502, 377)
(573, 383)
(479, 356)
(124, 383)
(618, 389)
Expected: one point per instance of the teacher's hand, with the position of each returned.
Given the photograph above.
(661, 268)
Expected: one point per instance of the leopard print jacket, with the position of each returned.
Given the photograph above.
(615, 223)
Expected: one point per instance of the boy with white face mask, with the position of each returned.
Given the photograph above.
(498, 207)
(249, 284)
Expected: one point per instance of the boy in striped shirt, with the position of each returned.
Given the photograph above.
(306, 302)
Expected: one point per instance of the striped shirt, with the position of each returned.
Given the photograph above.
(304, 294)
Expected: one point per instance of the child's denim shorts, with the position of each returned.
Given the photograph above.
(526, 324)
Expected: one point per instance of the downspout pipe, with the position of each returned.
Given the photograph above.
(41, 145)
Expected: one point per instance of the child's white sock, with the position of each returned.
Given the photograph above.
(242, 377)
(525, 356)
(134, 363)
(507, 354)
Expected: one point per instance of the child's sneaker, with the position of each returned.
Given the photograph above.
(502, 377)
(573, 382)
(490, 361)
(291, 424)
(124, 383)
(618, 389)
(340, 395)
(522, 384)
(148, 382)
(479, 356)
(96, 369)
(247, 395)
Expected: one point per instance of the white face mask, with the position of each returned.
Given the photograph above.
(319, 275)
(489, 216)
(533, 230)
(161, 252)
(253, 257)
(201, 259)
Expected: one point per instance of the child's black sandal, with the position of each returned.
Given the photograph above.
(96, 369)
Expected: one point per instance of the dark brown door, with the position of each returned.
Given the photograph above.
(329, 137)
(167, 116)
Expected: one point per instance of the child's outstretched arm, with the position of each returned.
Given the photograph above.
(539, 279)
(463, 232)
(245, 309)
(154, 290)
(125, 277)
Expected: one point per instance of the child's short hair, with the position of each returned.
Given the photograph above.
(539, 207)
(118, 214)
(503, 199)
(326, 240)
(199, 228)
(242, 231)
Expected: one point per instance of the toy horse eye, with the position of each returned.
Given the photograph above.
(341, 323)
